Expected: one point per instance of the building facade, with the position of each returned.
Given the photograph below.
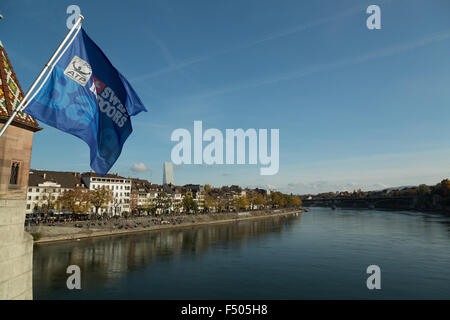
(119, 186)
(143, 193)
(46, 187)
(168, 173)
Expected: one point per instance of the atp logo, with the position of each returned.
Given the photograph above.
(79, 70)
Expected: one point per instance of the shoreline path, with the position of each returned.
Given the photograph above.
(96, 228)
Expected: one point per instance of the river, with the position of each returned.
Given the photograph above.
(322, 254)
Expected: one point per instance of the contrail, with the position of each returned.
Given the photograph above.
(393, 50)
(248, 44)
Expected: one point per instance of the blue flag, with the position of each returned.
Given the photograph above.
(86, 96)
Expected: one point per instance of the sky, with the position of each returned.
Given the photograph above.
(355, 108)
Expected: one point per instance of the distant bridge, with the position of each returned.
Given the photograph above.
(375, 202)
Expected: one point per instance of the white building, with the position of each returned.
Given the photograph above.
(119, 186)
(47, 186)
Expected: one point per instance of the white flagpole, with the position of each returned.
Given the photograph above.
(38, 79)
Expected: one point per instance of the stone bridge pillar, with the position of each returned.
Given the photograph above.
(16, 246)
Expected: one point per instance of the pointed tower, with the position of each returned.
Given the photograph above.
(168, 173)
(16, 246)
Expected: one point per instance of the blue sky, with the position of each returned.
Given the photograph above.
(355, 108)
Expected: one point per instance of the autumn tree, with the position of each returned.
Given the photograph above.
(259, 200)
(77, 200)
(443, 188)
(295, 201)
(189, 204)
(240, 202)
(149, 205)
(275, 199)
(99, 198)
(210, 203)
(423, 190)
(255, 199)
(48, 201)
(223, 204)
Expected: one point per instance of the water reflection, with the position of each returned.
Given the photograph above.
(321, 255)
(109, 258)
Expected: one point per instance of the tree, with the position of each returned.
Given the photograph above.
(295, 201)
(116, 206)
(100, 198)
(210, 203)
(275, 199)
(189, 204)
(76, 200)
(148, 205)
(259, 201)
(223, 204)
(443, 188)
(240, 202)
(48, 201)
(207, 188)
(254, 199)
(423, 190)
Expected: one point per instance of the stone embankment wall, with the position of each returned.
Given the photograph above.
(16, 252)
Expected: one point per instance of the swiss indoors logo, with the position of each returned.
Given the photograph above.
(109, 103)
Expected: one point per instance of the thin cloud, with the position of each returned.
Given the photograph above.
(249, 44)
(139, 167)
(387, 52)
(167, 55)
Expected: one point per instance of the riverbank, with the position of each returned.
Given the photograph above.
(90, 229)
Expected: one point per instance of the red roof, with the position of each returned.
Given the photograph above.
(11, 94)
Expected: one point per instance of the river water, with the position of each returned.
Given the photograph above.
(322, 254)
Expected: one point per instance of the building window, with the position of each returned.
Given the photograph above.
(30, 189)
(28, 206)
(14, 177)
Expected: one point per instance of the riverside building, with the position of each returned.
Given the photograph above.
(47, 186)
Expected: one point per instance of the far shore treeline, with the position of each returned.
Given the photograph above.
(421, 197)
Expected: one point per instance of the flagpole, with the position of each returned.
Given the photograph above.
(43, 72)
